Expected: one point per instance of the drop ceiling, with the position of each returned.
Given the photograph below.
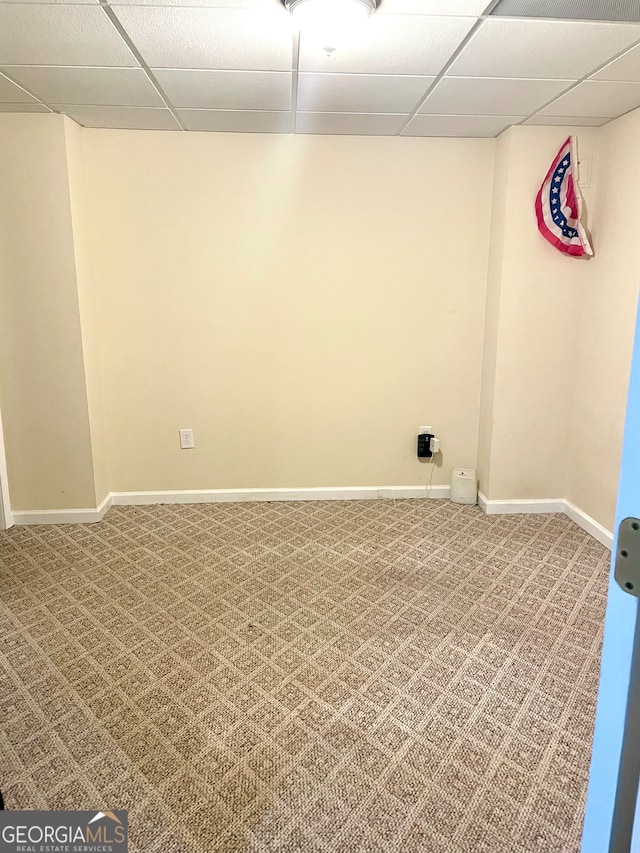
(419, 68)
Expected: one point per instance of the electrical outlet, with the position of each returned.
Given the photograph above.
(186, 439)
(423, 430)
(584, 171)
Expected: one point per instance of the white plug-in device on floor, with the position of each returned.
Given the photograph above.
(464, 486)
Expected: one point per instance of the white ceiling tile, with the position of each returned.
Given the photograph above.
(391, 44)
(83, 2)
(360, 93)
(596, 98)
(491, 95)
(137, 118)
(236, 121)
(179, 37)
(358, 124)
(10, 93)
(24, 108)
(431, 7)
(31, 34)
(563, 50)
(259, 5)
(421, 125)
(627, 67)
(115, 86)
(568, 121)
(226, 90)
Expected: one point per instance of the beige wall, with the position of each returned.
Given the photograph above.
(532, 332)
(303, 303)
(42, 383)
(607, 319)
(492, 309)
(87, 305)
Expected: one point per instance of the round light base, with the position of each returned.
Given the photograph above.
(330, 23)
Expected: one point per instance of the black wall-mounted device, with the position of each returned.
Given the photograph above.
(424, 445)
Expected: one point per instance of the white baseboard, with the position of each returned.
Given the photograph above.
(62, 516)
(520, 506)
(343, 493)
(550, 505)
(589, 524)
(179, 496)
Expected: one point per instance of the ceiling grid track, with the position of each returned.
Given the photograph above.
(582, 80)
(448, 65)
(419, 68)
(295, 64)
(453, 58)
(134, 50)
(25, 89)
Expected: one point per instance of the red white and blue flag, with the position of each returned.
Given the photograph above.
(559, 205)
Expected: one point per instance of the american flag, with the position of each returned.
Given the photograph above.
(559, 205)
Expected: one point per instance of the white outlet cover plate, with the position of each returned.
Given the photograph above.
(186, 439)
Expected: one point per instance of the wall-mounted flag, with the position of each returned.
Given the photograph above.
(559, 205)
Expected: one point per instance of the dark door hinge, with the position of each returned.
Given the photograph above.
(627, 565)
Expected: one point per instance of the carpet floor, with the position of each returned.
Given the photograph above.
(357, 677)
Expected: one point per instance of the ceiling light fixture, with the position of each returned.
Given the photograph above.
(330, 23)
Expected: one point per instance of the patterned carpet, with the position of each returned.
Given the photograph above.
(299, 677)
